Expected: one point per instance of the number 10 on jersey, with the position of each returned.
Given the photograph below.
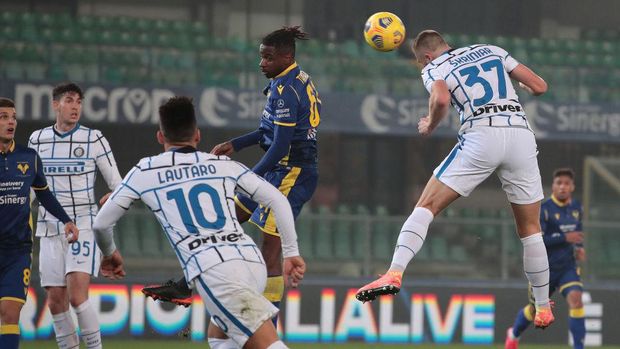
(194, 212)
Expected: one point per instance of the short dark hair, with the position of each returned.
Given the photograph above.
(564, 171)
(6, 103)
(177, 119)
(61, 89)
(284, 39)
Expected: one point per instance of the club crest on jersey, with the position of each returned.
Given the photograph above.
(78, 152)
(575, 214)
(23, 167)
(557, 216)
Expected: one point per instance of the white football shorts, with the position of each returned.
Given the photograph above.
(481, 150)
(57, 257)
(233, 294)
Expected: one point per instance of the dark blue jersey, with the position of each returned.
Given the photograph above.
(292, 101)
(557, 219)
(20, 169)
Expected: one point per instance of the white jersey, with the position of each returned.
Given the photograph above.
(481, 89)
(192, 195)
(70, 163)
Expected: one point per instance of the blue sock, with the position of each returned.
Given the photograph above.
(523, 320)
(577, 325)
(275, 318)
(9, 341)
(9, 336)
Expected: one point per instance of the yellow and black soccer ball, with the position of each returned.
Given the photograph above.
(384, 31)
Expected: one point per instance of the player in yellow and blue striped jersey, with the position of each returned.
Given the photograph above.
(288, 135)
(20, 169)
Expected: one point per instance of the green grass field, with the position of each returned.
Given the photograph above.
(165, 344)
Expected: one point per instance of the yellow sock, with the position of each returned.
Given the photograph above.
(274, 290)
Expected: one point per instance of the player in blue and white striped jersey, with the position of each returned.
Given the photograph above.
(494, 136)
(192, 195)
(72, 155)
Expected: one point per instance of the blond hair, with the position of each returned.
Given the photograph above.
(428, 40)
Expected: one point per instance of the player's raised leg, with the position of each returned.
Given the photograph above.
(535, 262)
(435, 197)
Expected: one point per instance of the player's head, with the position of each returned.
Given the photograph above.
(67, 103)
(427, 46)
(8, 120)
(177, 123)
(277, 50)
(563, 184)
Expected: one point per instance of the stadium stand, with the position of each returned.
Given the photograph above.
(126, 50)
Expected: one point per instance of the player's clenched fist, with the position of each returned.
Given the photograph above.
(294, 269)
(71, 232)
(112, 266)
(225, 148)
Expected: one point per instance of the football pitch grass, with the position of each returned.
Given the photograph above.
(171, 344)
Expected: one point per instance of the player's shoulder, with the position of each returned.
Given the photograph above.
(547, 203)
(223, 161)
(290, 83)
(22, 149)
(37, 135)
(93, 133)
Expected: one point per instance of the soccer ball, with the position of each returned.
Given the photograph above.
(384, 31)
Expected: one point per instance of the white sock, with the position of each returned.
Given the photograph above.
(411, 237)
(277, 345)
(536, 267)
(217, 343)
(89, 325)
(66, 336)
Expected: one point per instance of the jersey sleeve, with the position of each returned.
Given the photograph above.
(105, 161)
(509, 62)
(286, 105)
(39, 182)
(429, 76)
(129, 190)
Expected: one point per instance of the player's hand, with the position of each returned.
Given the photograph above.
(294, 269)
(104, 198)
(580, 254)
(424, 126)
(574, 237)
(112, 266)
(71, 232)
(225, 148)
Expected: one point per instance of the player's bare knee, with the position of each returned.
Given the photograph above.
(57, 299)
(9, 312)
(574, 300)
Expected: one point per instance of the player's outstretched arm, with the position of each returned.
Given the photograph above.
(528, 80)
(51, 204)
(112, 262)
(236, 144)
(438, 107)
